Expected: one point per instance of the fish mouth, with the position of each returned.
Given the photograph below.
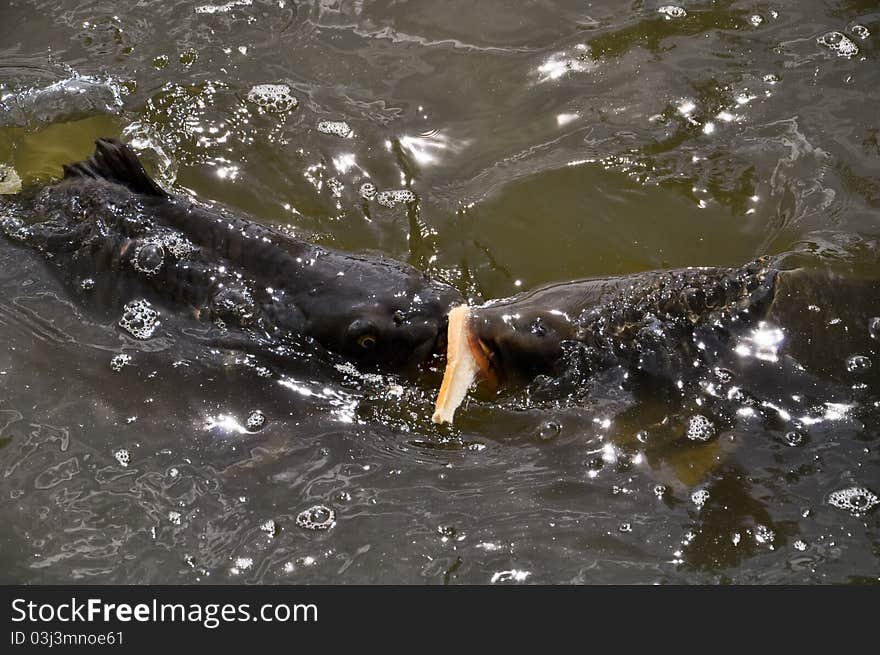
(468, 359)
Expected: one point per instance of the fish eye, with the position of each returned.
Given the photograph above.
(366, 341)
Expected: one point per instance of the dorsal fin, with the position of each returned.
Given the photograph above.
(116, 162)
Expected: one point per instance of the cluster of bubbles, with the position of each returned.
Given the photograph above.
(256, 420)
(122, 456)
(839, 43)
(699, 428)
(392, 198)
(336, 128)
(177, 244)
(853, 499)
(764, 535)
(672, 11)
(139, 319)
(860, 31)
(857, 363)
(699, 497)
(148, 258)
(367, 191)
(318, 517)
(269, 527)
(224, 8)
(275, 98)
(119, 361)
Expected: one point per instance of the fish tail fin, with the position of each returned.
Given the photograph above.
(116, 162)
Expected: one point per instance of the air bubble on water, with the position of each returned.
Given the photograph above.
(672, 11)
(764, 535)
(860, 31)
(548, 430)
(87, 285)
(771, 78)
(343, 497)
(148, 258)
(368, 190)
(857, 363)
(139, 319)
(178, 245)
(800, 545)
(795, 438)
(660, 490)
(336, 128)
(224, 8)
(699, 497)
(625, 527)
(119, 361)
(512, 575)
(256, 420)
(874, 328)
(318, 517)
(174, 517)
(269, 527)
(449, 533)
(391, 198)
(853, 499)
(756, 20)
(273, 97)
(242, 564)
(122, 456)
(699, 428)
(336, 187)
(839, 43)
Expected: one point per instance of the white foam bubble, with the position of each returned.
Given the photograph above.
(122, 456)
(860, 31)
(857, 363)
(119, 361)
(139, 319)
(392, 198)
(273, 97)
(317, 517)
(224, 8)
(839, 43)
(853, 499)
(699, 497)
(699, 428)
(672, 11)
(512, 575)
(256, 420)
(336, 128)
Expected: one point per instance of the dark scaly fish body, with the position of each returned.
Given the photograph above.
(107, 222)
(657, 322)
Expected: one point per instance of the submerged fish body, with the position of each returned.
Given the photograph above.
(107, 223)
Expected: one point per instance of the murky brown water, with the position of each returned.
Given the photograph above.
(543, 141)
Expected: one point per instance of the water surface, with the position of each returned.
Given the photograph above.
(542, 141)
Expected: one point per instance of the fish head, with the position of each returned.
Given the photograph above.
(519, 343)
(385, 324)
